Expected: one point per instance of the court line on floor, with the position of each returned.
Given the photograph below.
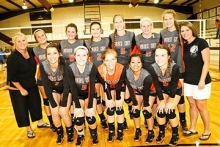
(183, 145)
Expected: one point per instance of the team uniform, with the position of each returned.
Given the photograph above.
(23, 71)
(40, 56)
(147, 46)
(194, 64)
(97, 50)
(114, 83)
(171, 40)
(123, 46)
(85, 85)
(68, 49)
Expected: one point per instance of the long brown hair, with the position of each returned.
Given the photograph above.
(163, 46)
(74, 26)
(91, 40)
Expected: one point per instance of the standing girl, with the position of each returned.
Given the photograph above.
(56, 85)
(197, 81)
(169, 36)
(84, 74)
(67, 46)
(165, 74)
(113, 76)
(40, 56)
(97, 46)
(140, 83)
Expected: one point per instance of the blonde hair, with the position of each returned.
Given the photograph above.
(115, 32)
(146, 19)
(18, 34)
(109, 51)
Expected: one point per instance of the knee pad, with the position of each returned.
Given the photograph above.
(98, 100)
(46, 102)
(119, 111)
(182, 100)
(91, 120)
(79, 121)
(172, 114)
(136, 113)
(147, 114)
(103, 103)
(128, 101)
(111, 112)
(161, 115)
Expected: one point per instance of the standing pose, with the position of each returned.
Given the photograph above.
(146, 43)
(68, 46)
(197, 81)
(165, 74)
(84, 74)
(24, 94)
(97, 46)
(140, 81)
(56, 85)
(122, 42)
(40, 56)
(113, 76)
(169, 36)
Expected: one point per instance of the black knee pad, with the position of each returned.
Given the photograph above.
(79, 121)
(111, 112)
(103, 103)
(98, 100)
(136, 113)
(127, 101)
(147, 114)
(182, 100)
(46, 102)
(119, 111)
(172, 114)
(161, 115)
(90, 120)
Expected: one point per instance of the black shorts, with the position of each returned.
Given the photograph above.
(57, 91)
(181, 76)
(178, 92)
(122, 89)
(152, 93)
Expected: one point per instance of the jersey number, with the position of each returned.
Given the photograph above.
(84, 87)
(99, 57)
(172, 47)
(148, 53)
(122, 50)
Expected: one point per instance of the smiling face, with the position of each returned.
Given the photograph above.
(71, 33)
(119, 23)
(95, 30)
(135, 64)
(81, 57)
(168, 20)
(110, 61)
(40, 37)
(186, 33)
(161, 57)
(146, 27)
(52, 55)
(21, 42)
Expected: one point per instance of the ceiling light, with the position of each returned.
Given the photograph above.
(24, 6)
(156, 1)
(71, 1)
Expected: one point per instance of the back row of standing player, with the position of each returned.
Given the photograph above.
(124, 42)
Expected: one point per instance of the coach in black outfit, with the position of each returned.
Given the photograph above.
(25, 98)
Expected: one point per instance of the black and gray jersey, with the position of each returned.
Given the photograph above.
(97, 50)
(68, 49)
(123, 46)
(171, 40)
(40, 53)
(147, 46)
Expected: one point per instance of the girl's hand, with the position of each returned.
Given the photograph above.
(160, 107)
(148, 109)
(24, 92)
(119, 104)
(169, 107)
(90, 112)
(201, 85)
(78, 112)
(109, 103)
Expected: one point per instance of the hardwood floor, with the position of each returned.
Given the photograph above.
(12, 136)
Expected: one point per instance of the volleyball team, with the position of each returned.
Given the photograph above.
(150, 72)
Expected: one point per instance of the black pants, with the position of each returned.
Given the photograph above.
(23, 105)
